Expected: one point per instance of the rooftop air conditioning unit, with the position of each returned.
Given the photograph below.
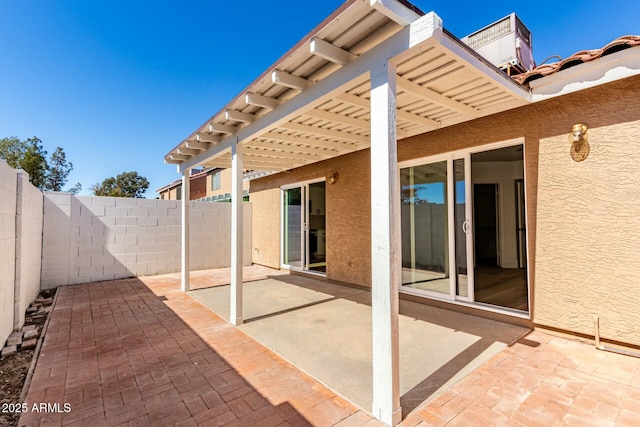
(506, 44)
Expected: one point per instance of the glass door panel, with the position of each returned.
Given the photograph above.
(292, 227)
(425, 230)
(317, 220)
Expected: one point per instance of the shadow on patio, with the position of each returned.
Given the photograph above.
(325, 330)
(125, 351)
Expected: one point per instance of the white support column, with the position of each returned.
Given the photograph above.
(185, 238)
(235, 313)
(385, 245)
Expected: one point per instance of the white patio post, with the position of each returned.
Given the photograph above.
(385, 245)
(185, 240)
(235, 313)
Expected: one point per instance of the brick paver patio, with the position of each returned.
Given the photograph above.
(140, 352)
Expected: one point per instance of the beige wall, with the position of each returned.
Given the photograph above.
(348, 219)
(583, 245)
(7, 249)
(588, 241)
(225, 184)
(265, 247)
(20, 247)
(86, 239)
(29, 217)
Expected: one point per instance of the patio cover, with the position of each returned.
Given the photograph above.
(314, 102)
(373, 72)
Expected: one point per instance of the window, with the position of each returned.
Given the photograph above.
(215, 181)
(179, 193)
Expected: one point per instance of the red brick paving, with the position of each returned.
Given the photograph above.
(138, 352)
(542, 380)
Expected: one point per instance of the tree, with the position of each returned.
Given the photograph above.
(30, 156)
(75, 189)
(59, 169)
(127, 184)
(34, 162)
(12, 150)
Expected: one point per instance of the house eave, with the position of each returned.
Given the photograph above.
(616, 66)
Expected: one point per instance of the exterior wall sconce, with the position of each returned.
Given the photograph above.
(579, 142)
(333, 178)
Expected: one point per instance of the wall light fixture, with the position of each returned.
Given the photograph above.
(579, 140)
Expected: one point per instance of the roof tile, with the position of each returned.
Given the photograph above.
(621, 43)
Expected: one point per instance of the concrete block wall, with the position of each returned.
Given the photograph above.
(20, 247)
(88, 239)
(7, 248)
(29, 214)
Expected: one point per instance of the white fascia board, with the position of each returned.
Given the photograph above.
(499, 78)
(408, 42)
(615, 66)
(395, 11)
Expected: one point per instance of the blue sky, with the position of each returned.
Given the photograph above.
(117, 84)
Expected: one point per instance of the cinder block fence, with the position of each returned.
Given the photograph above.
(57, 239)
(88, 239)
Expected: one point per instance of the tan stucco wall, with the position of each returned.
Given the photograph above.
(225, 184)
(588, 246)
(173, 194)
(348, 219)
(265, 247)
(584, 248)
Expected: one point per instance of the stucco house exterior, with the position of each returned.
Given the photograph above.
(402, 161)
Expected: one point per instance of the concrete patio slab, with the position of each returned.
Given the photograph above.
(325, 330)
(272, 296)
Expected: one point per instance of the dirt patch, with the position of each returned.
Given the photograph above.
(13, 371)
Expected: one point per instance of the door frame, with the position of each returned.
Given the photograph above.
(466, 154)
(304, 218)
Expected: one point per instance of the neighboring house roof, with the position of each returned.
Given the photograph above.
(580, 57)
(169, 186)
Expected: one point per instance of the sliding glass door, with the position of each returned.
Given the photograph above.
(448, 255)
(304, 227)
(293, 220)
(436, 228)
